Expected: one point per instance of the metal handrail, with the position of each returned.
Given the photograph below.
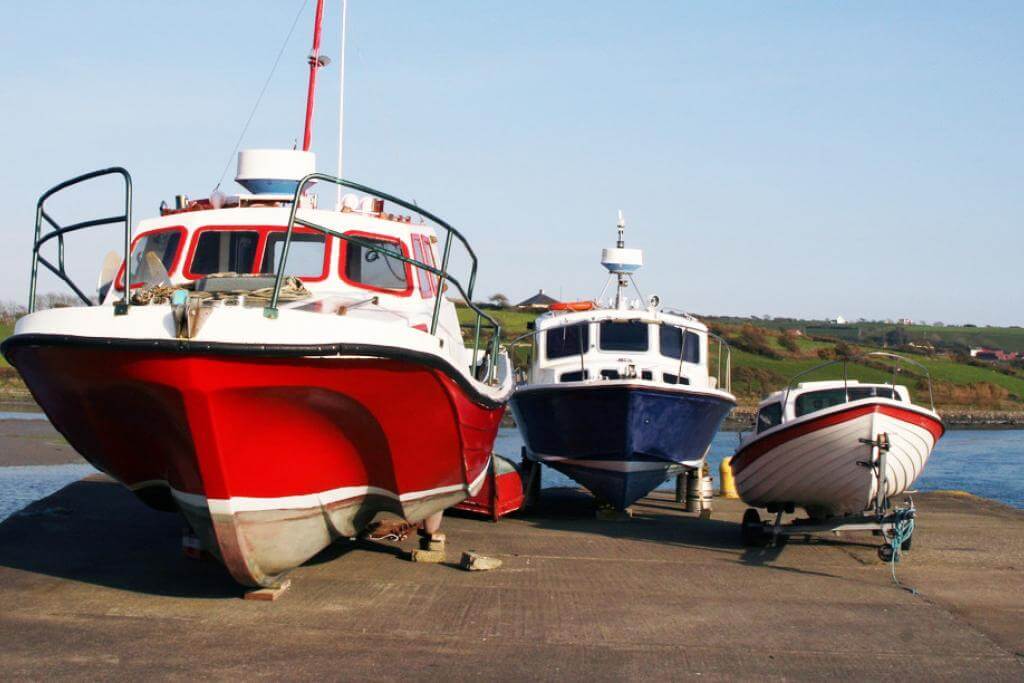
(846, 380)
(442, 274)
(58, 231)
(722, 342)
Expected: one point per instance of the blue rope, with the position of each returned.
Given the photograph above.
(902, 529)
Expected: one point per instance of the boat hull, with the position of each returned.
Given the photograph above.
(501, 493)
(620, 441)
(268, 458)
(819, 462)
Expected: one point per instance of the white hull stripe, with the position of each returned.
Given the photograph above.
(614, 465)
(308, 501)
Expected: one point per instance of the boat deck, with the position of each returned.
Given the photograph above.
(95, 585)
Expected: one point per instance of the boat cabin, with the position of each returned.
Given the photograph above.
(615, 344)
(813, 397)
(195, 243)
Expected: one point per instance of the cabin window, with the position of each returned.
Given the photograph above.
(647, 374)
(165, 244)
(307, 255)
(769, 416)
(623, 336)
(375, 269)
(422, 252)
(224, 251)
(669, 378)
(568, 340)
(675, 341)
(610, 374)
(577, 376)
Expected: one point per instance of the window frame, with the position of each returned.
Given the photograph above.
(180, 229)
(262, 234)
(757, 417)
(343, 255)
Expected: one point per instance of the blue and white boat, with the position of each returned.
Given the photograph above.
(618, 394)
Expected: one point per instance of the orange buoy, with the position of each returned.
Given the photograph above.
(572, 306)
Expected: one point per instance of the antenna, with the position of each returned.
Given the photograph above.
(622, 262)
(341, 97)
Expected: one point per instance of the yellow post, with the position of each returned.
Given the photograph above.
(728, 483)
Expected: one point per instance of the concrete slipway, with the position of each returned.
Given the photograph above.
(94, 585)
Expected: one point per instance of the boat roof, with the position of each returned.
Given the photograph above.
(805, 387)
(601, 314)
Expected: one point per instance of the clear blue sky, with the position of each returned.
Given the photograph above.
(799, 158)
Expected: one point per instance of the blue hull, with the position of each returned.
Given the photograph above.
(619, 441)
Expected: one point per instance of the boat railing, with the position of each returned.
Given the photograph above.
(442, 274)
(58, 232)
(897, 366)
(722, 371)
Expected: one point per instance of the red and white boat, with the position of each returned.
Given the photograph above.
(276, 414)
(835, 448)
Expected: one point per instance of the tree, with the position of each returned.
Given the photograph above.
(499, 300)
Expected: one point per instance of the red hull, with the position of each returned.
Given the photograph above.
(256, 443)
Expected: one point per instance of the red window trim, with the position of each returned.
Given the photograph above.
(174, 264)
(262, 232)
(343, 253)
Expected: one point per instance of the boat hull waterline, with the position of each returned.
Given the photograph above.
(620, 441)
(819, 463)
(270, 459)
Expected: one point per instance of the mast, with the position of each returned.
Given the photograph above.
(623, 279)
(315, 62)
(341, 99)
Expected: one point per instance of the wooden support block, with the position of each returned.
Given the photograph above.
(610, 514)
(474, 562)
(429, 556)
(268, 594)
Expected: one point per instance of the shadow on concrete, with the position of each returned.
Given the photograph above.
(97, 532)
(657, 519)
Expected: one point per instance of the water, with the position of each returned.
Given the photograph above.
(987, 463)
(20, 486)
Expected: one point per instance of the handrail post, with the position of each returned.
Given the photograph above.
(35, 259)
(271, 310)
(123, 308)
(441, 284)
(476, 341)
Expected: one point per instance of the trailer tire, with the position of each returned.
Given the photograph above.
(752, 529)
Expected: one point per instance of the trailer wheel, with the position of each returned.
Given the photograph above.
(752, 529)
(885, 553)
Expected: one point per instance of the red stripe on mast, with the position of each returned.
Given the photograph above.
(314, 64)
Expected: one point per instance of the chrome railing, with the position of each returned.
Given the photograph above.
(59, 231)
(441, 273)
(846, 374)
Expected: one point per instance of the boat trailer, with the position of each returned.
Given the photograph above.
(894, 524)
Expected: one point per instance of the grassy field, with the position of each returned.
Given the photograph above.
(1005, 338)
(755, 374)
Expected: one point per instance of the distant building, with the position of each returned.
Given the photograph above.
(540, 300)
(904, 321)
(995, 355)
(838, 320)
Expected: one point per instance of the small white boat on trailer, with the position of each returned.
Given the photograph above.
(841, 450)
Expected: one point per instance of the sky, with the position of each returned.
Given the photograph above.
(799, 159)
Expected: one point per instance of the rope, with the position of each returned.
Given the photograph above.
(902, 529)
(259, 99)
